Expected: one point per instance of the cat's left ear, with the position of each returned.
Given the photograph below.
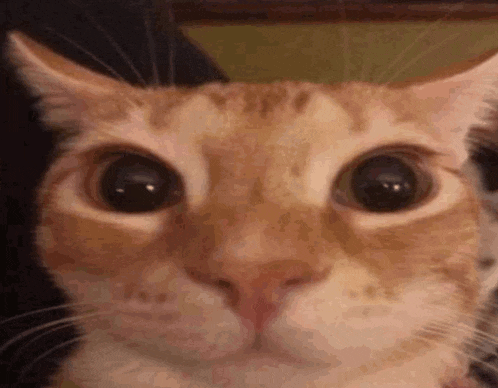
(65, 88)
(461, 99)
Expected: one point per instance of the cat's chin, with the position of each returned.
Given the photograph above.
(105, 355)
(106, 362)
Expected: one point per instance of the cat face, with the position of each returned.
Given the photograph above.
(289, 234)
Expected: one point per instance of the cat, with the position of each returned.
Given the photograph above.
(277, 235)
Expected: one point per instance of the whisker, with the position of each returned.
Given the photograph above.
(26, 369)
(88, 53)
(345, 42)
(152, 48)
(25, 333)
(31, 341)
(61, 306)
(424, 33)
(469, 356)
(481, 336)
(378, 363)
(469, 341)
(421, 55)
(473, 330)
(113, 43)
(473, 337)
(366, 64)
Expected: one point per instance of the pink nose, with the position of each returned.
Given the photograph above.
(258, 295)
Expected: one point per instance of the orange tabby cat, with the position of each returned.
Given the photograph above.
(281, 235)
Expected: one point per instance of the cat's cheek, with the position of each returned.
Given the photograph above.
(189, 323)
(327, 325)
(193, 338)
(202, 329)
(71, 242)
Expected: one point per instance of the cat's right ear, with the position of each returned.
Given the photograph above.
(460, 99)
(65, 88)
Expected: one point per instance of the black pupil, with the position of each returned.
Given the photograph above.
(134, 183)
(384, 183)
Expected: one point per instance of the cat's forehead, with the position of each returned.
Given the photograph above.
(349, 107)
(298, 118)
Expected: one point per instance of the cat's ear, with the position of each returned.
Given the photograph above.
(461, 99)
(65, 88)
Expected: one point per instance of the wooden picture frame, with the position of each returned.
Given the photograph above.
(212, 12)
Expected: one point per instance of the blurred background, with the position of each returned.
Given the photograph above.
(332, 41)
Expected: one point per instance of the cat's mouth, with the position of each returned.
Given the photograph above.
(261, 347)
(264, 351)
(238, 347)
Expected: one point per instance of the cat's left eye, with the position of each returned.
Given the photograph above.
(132, 183)
(383, 183)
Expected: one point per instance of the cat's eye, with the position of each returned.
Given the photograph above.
(133, 183)
(383, 183)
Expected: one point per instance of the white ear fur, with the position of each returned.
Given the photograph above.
(63, 86)
(460, 102)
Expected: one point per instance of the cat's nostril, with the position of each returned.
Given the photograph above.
(294, 282)
(222, 284)
(225, 284)
(161, 298)
(486, 262)
(229, 289)
(266, 286)
(199, 276)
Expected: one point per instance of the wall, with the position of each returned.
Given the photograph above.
(391, 51)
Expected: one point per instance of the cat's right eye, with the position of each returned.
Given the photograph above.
(132, 183)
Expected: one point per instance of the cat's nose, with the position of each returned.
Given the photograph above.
(258, 294)
(257, 257)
